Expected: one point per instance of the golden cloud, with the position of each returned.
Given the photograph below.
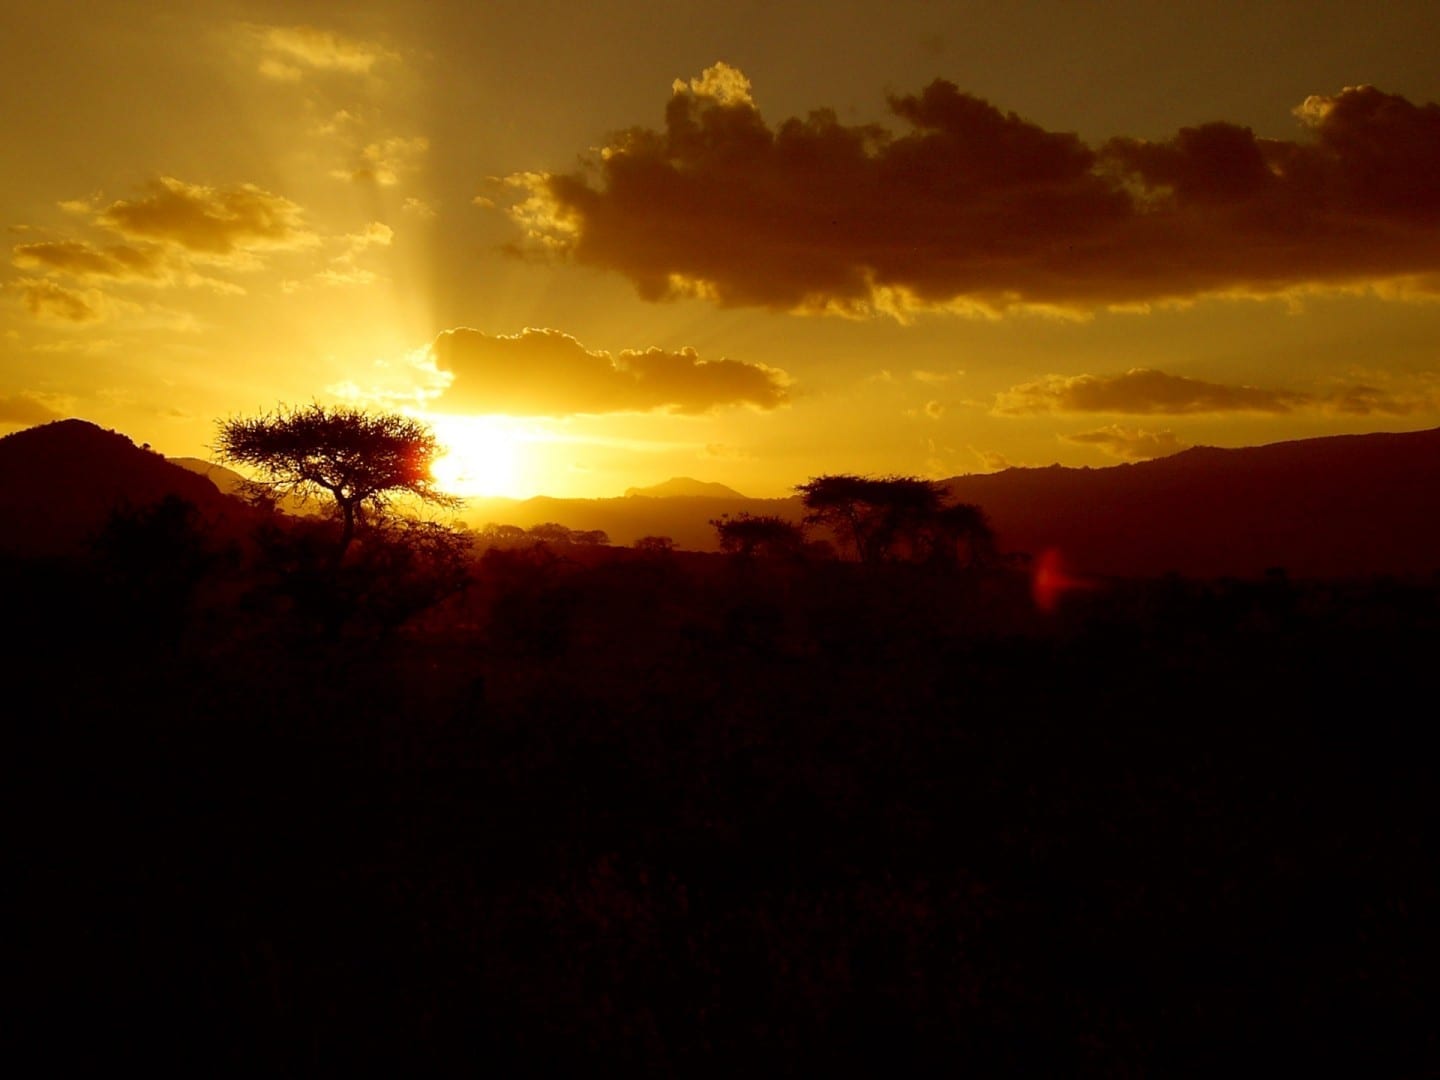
(290, 49)
(549, 373)
(210, 221)
(1141, 391)
(78, 259)
(47, 300)
(25, 408)
(1401, 397)
(973, 209)
(384, 162)
(1130, 444)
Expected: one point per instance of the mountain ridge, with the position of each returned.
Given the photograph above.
(682, 487)
(1331, 506)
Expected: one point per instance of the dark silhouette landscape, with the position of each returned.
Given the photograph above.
(547, 799)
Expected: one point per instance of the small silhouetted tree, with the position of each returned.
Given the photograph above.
(360, 459)
(499, 535)
(766, 534)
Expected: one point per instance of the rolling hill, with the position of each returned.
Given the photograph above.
(1340, 506)
(60, 482)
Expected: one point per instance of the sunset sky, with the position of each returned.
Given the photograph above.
(746, 242)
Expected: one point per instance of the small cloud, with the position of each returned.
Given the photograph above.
(1141, 391)
(346, 276)
(725, 452)
(419, 207)
(384, 162)
(81, 260)
(1130, 444)
(934, 409)
(1383, 394)
(26, 408)
(345, 268)
(209, 221)
(991, 460)
(936, 378)
(288, 51)
(46, 300)
(338, 122)
(722, 84)
(549, 373)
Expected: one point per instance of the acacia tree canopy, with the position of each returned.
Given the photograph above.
(359, 458)
(747, 534)
(871, 514)
(896, 516)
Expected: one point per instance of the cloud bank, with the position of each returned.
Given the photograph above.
(1147, 392)
(969, 208)
(1142, 391)
(549, 373)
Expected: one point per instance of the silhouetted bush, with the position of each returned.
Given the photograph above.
(606, 812)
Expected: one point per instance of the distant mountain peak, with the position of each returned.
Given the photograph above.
(683, 487)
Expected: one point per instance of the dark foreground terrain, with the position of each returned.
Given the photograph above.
(659, 814)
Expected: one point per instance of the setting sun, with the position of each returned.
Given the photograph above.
(483, 456)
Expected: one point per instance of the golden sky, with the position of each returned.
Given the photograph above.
(748, 243)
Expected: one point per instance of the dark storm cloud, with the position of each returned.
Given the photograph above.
(970, 207)
(548, 373)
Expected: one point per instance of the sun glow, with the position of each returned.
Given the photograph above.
(484, 455)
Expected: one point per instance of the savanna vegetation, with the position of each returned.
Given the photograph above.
(525, 800)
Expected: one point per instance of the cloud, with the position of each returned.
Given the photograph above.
(25, 408)
(992, 460)
(1141, 391)
(210, 221)
(47, 300)
(969, 208)
(384, 162)
(548, 373)
(1384, 395)
(288, 50)
(935, 378)
(82, 260)
(1131, 444)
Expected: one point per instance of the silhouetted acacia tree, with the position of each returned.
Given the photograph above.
(360, 459)
(873, 515)
(746, 534)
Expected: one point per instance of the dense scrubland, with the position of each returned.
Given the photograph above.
(646, 811)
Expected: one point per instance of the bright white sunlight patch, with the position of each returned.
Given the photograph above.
(484, 455)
